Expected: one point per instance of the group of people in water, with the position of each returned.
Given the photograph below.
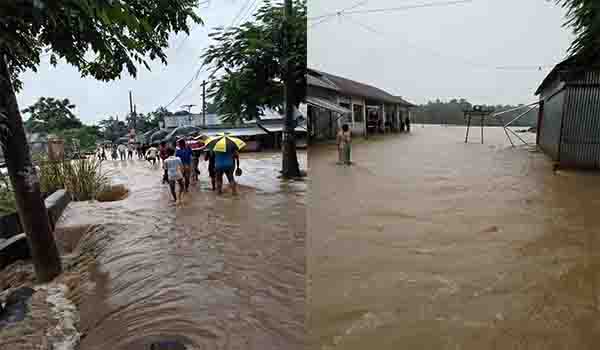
(180, 165)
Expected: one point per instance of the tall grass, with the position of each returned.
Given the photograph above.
(81, 178)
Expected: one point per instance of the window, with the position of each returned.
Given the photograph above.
(358, 113)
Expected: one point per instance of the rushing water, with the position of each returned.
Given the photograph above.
(215, 273)
(431, 243)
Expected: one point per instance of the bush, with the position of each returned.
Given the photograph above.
(82, 178)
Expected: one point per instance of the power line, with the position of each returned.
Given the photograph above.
(436, 53)
(327, 17)
(188, 84)
(237, 16)
(331, 14)
(410, 7)
(250, 12)
(394, 9)
(197, 73)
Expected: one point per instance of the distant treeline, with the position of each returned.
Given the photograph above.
(452, 112)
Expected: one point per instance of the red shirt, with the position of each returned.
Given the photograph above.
(163, 153)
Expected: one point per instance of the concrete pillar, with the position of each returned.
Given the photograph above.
(364, 111)
(383, 116)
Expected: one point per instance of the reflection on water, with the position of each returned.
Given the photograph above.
(216, 273)
(430, 243)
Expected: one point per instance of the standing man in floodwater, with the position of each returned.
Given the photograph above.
(122, 151)
(407, 123)
(225, 164)
(344, 139)
(185, 154)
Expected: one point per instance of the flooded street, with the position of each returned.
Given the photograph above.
(431, 243)
(216, 273)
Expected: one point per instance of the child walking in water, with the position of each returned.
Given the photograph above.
(174, 169)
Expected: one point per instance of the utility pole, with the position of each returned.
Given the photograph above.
(204, 104)
(290, 167)
(130, 102)
(25, 183)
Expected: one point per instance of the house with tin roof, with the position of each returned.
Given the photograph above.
(334, 100)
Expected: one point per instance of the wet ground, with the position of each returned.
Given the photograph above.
(431, 243)
(216, 273)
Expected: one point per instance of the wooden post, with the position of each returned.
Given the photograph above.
(468, 126)
(204, 104)
(482, 121)
(25, 183)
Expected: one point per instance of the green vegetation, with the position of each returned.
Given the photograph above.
(253, 58)
(583, 16)
(49, 114)
(101, 39)
(82, 178)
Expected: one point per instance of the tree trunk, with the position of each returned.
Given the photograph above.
(23, 176)
(290, 166)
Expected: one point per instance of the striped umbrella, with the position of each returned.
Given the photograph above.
(224, 143)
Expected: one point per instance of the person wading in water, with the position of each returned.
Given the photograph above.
(209, 156)
(185, 154)
(174, 168)
(344, 140)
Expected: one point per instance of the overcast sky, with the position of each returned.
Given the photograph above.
(441, 52)
(96, 100)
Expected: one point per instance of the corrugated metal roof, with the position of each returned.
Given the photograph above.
(354, 88)
(278, 127)
(255, 131)
(571, 64)
(322, 103)
(312, 80)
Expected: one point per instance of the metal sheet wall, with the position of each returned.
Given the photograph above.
(551, 124)
(580, 143)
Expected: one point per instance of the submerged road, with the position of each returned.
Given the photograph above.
(216, 273)
(431, 243)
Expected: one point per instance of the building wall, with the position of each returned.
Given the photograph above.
(580, 142)
(359, 122)
(175, 121)
(323, 124)
(552, 119)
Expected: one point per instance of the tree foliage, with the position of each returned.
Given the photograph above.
(99, 37)
(253, 60)
(87, 136)
(583, 16)
(112, 128)
(49, 115)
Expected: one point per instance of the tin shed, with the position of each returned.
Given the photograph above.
(569, 121)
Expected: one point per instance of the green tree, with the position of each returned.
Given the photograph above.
(49, 115)
(583, 16)
(112, 128)
(99, 37)
(254, 60)
(87, 135)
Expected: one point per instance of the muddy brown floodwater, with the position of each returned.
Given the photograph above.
(430, 243)
(216, 273)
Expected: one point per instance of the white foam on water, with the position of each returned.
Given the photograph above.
(65, 335)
